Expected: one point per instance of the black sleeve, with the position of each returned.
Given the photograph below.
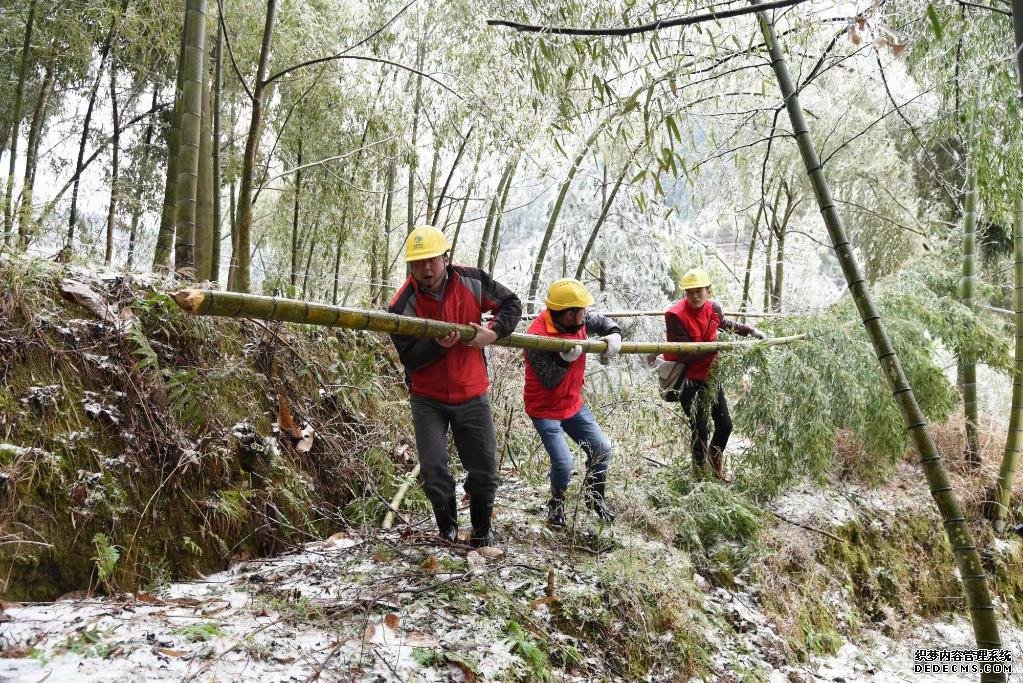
(601, 325)
(677, 332)
(502, 302)
(416, 352)
(549, 366)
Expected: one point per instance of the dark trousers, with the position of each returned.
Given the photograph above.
(472, 427)
(697, 402)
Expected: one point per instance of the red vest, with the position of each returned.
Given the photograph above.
(701, 325)
(564, 400)
(460, 374)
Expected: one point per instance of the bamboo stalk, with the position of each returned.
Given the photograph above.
(1014, 436)
(398, 497)
(964, 548)
(238, 305)
(1003, 312)
(660, 312)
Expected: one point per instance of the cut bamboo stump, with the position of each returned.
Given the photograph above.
(237, 305)
(398, 497)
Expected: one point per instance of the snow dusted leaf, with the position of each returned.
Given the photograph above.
(169, 652)
(83, 295)
(899, 48)
(146, 597)
(305, 444)
(429, 565)
(391, 621)
(854, 35)
(475, 560)
(491, 552)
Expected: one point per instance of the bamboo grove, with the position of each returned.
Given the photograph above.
(283, 151)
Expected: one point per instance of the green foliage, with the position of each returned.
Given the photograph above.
(199, 632)
(106, 557)
(88, 642)
(536, 659)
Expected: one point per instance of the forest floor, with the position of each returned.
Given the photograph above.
(394, 605)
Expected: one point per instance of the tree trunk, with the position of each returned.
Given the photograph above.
(779, 269)
(136, 211)
(495, 241)
(481, 256)
(344, 213)
(465, 202)
(218, 86)
(204, 188)
(451, 172)
(79, 164)
(294, 214)
(19, 95)
(971, 570)
(1014, 437)
(309, 260)
(25, 220)
(242, 281)
(754, 235)
(385, 263)
(541, 253)
(768, 271)
(968, 366)
(191, 136)
(413, 159)
(432, 186)
(609, 200)
(165, 235)
(232, 268)
(114, 167)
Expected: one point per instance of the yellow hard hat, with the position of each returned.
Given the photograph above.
(567, 293)
(424, 242)
(695, 278)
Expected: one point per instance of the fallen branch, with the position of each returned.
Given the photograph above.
(398, 497)
(808, 528)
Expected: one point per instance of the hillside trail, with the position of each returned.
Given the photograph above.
(373, 605)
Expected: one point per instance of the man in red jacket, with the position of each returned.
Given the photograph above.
(447, 379)
(554, 401)
(697, 318)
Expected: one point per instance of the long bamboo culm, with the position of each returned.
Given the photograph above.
(238, 305)
(971, 570)
(660, 312)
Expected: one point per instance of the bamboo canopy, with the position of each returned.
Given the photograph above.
(658, 313)
(238, 305)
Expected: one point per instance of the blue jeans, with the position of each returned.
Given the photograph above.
(585, 431)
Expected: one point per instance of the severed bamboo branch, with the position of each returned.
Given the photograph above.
(238, 305)
(398, 497)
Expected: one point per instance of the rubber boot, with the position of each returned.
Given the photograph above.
(480, 513)
(556, 509)
(446, 514)
(594, 487)
(717, 462)
(701, 470)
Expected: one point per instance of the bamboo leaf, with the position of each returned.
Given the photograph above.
(936, 25)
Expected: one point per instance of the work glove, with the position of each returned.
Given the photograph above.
(572, 354)
(757, 334)
(614, 345)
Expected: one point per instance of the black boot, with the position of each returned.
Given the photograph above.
(480, 512)
(556, 508)
(447, 520)
(594, 487)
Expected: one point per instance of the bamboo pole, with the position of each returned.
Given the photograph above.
(238, 305)
(1014, 436)
(1002, 312)
(964, 548)
(967, 369)
(660, 312)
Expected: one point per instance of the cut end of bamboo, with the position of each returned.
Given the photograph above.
(190, 300)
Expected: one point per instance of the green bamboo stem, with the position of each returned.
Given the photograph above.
(1002, 312)
(238, 305)
(660, 313)
(971, 570)
(967, 365)
(1014, 437)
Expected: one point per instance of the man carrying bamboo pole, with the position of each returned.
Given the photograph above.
(697, 318)
(447, 379)
(554, 401)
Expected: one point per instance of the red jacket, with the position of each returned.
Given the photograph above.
(554, 387)
(563, 400)
(459, 373)
(684, 323)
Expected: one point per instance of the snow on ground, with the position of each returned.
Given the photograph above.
(393, 605)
